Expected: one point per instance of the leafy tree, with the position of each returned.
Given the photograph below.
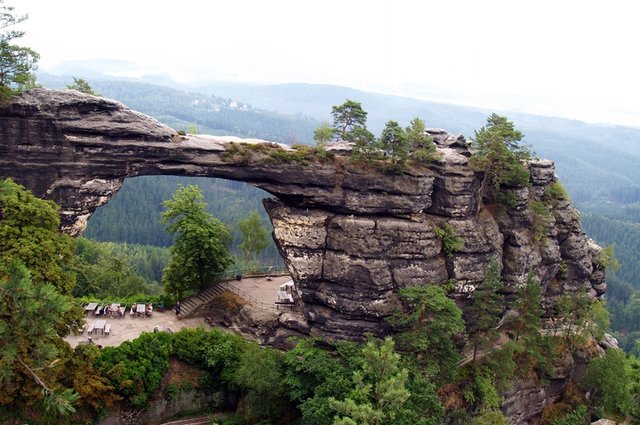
(427, 329)
(500, 156)
(393, 142)
(323, 134)
(486, 309)
(82, 86)
(608, 380)
(199, 251)
(380, 388)
(259, 374)
(529, 310)
(316, 371)
(421, 146)
(255, 237)
(17, 64)
(29, 233)
(29, 343)
(109, 276)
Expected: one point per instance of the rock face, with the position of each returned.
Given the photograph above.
(351, 235)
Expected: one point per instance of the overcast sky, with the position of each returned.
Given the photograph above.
(577, 59)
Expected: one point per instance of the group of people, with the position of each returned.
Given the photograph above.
(109, 311)
(148, 310)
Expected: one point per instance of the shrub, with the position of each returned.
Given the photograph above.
(540, 219)
(555, 192)
(451, 242)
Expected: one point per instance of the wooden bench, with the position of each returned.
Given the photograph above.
(107, 329)
(90, 328)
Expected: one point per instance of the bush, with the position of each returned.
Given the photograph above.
(451, 242)
(540, 219)
(555, 192)
(135, 368)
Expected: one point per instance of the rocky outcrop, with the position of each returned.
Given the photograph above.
(351, 235)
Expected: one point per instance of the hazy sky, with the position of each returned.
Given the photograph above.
(576, 59)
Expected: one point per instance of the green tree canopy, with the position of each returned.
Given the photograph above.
(255, 237)
(427, 329)
(499, 154)
(17, 63)
(29, 344)
(380, 388)
(393, 142)
(421, 145)
(29, 234)
(486, 309)
(199, 251)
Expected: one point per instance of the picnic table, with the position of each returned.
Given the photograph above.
(99, 325)
(140, 309)
(285, 297)
(90, 307)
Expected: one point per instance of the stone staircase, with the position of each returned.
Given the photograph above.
(190, 306)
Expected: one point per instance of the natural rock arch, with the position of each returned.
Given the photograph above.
(350, 235)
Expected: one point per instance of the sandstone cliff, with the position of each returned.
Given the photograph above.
(351, 235)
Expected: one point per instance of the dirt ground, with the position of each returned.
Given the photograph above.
(261, 288)
(128, 328)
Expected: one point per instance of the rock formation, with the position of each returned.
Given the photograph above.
(352, 236)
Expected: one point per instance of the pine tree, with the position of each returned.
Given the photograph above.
(486, 310)
(393, 142)
(29, 342)
(500, 156)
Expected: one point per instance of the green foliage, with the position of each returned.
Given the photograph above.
(17, 64)
(393, 143)
(486, 309)
(135, 368)
(82, 86)
(427, 329)
(255, 237)
(555, 192)
(348, 118)
(302, 154)
(608, 380)
(259, 375)
(527, 305)
(313, 374)
(349, 122)
(200, 249)
(451, 242)
(607, 259)
(323, 134)
(500, 156)
(489, 417)
(28, 341)
(541, 219)
(379, 388)
(421, 146)
(576, 417)
(29, 233)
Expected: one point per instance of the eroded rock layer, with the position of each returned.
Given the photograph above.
(350, 234)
